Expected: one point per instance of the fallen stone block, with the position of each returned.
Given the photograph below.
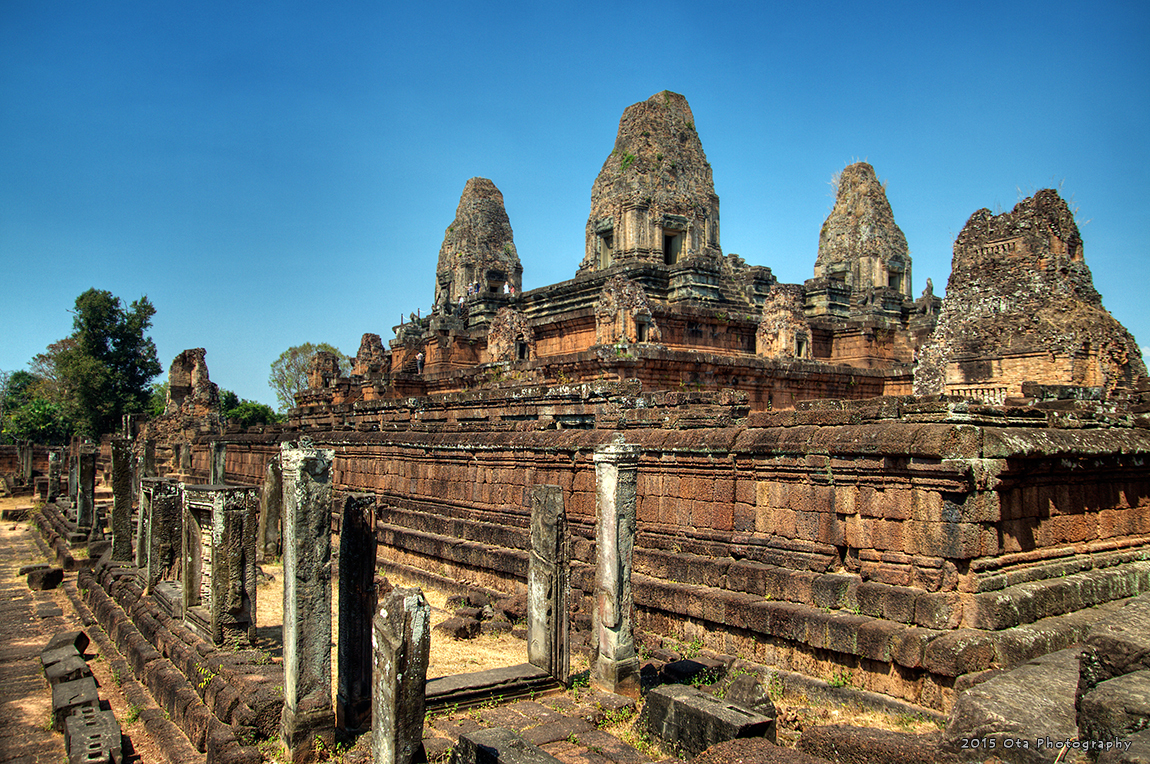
(1116, 646)
(755, 749)
(67, 697)
(748, 691)
(460, 628)
(76, 639)
(1032, 702)
(863, 745)
(692, 720)
(55, 655)
(1138, 751)
(498, 745)
(92, 736)
(43, 579)
(26, 569)
(1116, 708)
(69, 669)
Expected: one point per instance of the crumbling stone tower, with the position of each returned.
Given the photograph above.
(478, 246)
(1021, 306)
(860, 244)
(654, 200)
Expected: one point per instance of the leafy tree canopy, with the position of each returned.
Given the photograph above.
(105, 372)
(246, 413)
(289, 371)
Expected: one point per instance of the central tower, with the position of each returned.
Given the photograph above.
(654, 200)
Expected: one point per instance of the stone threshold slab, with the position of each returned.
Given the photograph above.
(500, 684)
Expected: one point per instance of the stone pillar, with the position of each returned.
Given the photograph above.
(548, 583)
(24, 451)
(161, 528)
(121, 500)
(401, 637)
(271, 510)
(55, 459)
(86, 490)
(307, 711)
(217, 461)
(357, 552)
(614, 662)
(74, 476)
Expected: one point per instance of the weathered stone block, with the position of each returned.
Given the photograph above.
(1008, 707)
(92, 736)
(687, 717)
(1116, 708)
(43, 579)
(69, 696)
(498, 745)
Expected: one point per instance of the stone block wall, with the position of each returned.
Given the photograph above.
(911, 544)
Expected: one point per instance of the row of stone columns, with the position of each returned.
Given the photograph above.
(383, 646)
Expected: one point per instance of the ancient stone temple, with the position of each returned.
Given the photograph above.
(782, 496)
(1021, 307)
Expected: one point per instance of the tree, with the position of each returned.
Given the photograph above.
(106, 371)
(158, 399)
(246, 413)
(289, 371)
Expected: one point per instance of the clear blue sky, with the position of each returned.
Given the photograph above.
(277, 173)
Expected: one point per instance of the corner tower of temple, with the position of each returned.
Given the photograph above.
(478, 246)
(1021, 307)
(654, 200)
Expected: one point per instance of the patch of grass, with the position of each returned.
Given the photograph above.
(841, 678)
(133, 714)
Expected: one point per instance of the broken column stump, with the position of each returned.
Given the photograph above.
(401, 638)
(271, 511)
(548, 583)
(121, 500)
(357, 552)
(307, 712)
(614, 661)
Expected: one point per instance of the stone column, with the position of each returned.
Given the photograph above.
(401, 636)
(121, 500)
(158, 545)
(24, 450)
(55, 458)
(357, 551)
(271, 511)
(548, 583)
(217, 461)
(307, 711)
(74, 476)
(86, 490)
(614, 662)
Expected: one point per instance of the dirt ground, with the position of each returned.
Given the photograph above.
(448, 656)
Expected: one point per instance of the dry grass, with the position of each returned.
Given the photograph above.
(448, 656)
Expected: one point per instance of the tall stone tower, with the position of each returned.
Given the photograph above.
(654, 200)
(860, 244)
(1021, 307)
(478, 246)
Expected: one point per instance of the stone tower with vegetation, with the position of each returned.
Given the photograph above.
(1021, 307)
(478, 246)
(654, 200)
(860, 244)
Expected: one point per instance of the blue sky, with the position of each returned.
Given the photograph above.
(271, 174)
